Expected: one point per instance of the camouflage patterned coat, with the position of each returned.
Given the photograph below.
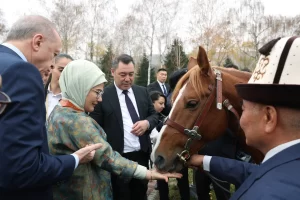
(70, 130)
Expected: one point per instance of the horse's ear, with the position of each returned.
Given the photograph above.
(203, 62)
(192, 63)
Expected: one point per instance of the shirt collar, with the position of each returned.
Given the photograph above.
(279, 148)
(16, 50)
(119, 91)
(160, 83)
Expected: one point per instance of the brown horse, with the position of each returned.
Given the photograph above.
(205, 104)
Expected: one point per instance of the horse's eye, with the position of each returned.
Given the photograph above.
(191, 104)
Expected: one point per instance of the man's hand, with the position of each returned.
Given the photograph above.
(140, 127)
(195, 161)
(87, 153)
(154, 175)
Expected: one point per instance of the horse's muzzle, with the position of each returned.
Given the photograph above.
(161, 165)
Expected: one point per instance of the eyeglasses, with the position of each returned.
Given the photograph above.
(4, 98)
(99, 93)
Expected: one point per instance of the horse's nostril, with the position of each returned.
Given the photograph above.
(159, 162)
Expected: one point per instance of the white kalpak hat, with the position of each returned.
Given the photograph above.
(276, 78)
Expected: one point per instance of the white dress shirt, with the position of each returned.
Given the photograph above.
(131, 141)
(17, 51)
(52, 101)
(270, 154)
(153, 135)
(161, 87)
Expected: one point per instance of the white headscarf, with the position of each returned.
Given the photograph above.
(78, 78)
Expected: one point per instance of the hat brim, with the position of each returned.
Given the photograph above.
(271, 94)
(4, 98)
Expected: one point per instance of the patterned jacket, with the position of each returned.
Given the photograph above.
(70, 130)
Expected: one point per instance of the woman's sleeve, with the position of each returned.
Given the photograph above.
(84, 132)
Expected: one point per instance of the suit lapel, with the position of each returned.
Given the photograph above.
(115, 104)
(158, 86)
(138, 100)
(168, 88)
(287, 155)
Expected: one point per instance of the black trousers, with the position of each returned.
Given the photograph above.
(203, 187)
(135, 189)
(183, 186)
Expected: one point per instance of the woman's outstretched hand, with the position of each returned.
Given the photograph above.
(155, 175)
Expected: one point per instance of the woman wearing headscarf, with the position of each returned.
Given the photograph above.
(70, 128)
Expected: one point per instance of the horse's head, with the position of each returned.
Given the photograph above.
(197, 115)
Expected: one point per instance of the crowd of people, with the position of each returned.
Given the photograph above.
(65, 135)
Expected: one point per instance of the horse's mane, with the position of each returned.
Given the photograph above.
(235, 72)
(194, 77)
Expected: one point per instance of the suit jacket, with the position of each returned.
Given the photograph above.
(108, 115)
(156, 87)
(277, 178)
(224, 146)
(26, 168)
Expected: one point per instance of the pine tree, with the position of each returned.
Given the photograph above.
(106, 64)
(142, 73)
(176, 57)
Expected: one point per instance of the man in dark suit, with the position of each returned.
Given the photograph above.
(161, 86)
(26, 168)
(270, 120)
(127, 116)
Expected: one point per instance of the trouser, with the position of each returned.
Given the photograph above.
(135, 189)
(183, 186)
(203, 187)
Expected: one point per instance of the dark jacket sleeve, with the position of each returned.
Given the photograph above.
(153, 117)
(24, 154)
(232, 171)
(151, 87)
(97, 114)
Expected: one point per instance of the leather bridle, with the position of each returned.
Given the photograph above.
(194, 134)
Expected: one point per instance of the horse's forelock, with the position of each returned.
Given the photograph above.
(194, 78)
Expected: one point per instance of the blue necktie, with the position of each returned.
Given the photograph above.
(165, 91)
(134, 116)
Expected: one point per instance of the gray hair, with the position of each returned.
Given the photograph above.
(28, 26)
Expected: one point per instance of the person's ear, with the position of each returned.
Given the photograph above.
(37, 41)
(270, 118)
(112, 70)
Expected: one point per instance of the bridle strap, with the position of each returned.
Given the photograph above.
(175, 125)
(219, 89)
(229, 107)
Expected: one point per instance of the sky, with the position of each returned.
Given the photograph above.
(13, 9)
